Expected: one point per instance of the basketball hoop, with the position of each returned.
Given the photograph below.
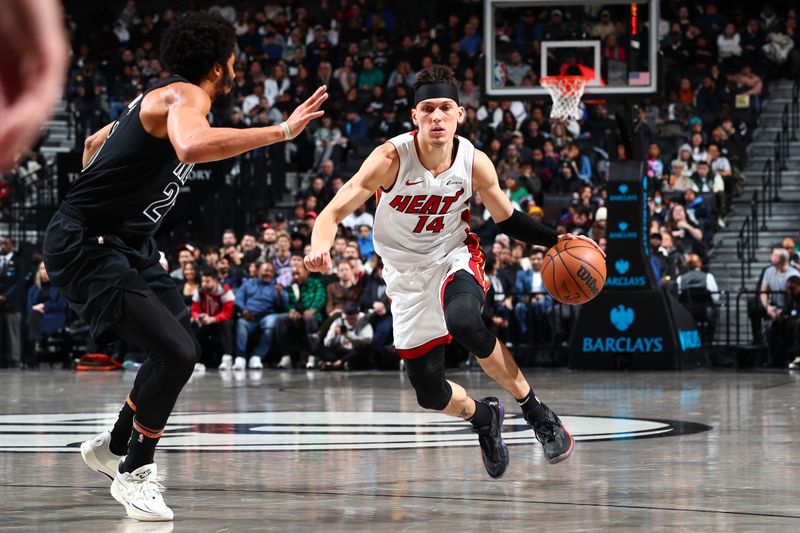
(566, 92)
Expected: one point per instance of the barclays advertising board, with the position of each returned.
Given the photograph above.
(644, 329)
(625, 329)
(622, 317)
(631, 324)
(623, 193)
(621, 275)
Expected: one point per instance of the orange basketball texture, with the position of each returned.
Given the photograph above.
(573, 272)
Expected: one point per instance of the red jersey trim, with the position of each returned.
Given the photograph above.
(399, 169)
(419, 351)
(478, 258)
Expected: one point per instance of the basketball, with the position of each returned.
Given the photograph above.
(573, 272)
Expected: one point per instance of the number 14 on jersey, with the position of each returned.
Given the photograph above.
(428, 223)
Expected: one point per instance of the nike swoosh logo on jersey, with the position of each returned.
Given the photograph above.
(414, 182)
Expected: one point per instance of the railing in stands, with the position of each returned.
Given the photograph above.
(745, 248)
(795, 113)
(27, 202)
(771, 184)
(769, 191)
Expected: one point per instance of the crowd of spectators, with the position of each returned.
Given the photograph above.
(247, 291)
(253, 302)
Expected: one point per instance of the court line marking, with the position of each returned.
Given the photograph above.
(776, 385)
(428, 497)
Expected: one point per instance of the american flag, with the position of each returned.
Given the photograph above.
(639, 78)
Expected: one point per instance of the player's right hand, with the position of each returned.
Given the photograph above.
(307, 111)
(318, 261)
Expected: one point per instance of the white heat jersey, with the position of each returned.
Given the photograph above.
(423, 218)
(421, 231)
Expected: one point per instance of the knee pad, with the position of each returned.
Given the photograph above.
(427, 377)
(433, 391)
(462, 313)
(187, 349)
(196, 348)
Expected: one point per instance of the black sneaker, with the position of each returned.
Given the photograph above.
(551, 433)
(494, 451)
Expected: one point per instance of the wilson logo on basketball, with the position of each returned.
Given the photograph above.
(586, 277)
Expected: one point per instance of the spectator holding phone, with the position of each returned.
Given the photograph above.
(212, 320)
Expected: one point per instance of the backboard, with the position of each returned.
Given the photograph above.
(614, 44)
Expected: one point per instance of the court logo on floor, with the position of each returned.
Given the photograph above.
(313, 431)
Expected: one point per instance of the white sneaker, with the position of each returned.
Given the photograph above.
(227, 362)
(199, 368)
(795, 365)
(285, 362)
(97, 455)
(312, 362)
(140, 492)
(239, 363)
(255, 363)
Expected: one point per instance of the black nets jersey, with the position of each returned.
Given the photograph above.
(133, 180)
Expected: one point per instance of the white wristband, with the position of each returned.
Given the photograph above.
(287, 133)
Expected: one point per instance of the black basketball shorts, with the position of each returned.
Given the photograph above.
(93, 270)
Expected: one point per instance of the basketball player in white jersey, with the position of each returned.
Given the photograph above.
(434, 267)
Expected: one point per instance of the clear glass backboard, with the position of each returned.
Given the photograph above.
(612, 44)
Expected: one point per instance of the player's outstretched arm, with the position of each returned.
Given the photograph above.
(195, 141)
(510, 221)
(378, 170)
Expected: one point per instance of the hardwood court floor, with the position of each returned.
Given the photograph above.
(296, 451)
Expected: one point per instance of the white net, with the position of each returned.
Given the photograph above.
(566, 92)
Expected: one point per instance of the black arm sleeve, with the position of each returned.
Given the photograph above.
(524, 228)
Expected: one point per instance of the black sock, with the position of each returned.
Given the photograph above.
(482, 417)
(121, 432)
(141, 449)
(532, 408)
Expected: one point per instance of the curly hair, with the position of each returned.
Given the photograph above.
(195, 42)
(435, 74)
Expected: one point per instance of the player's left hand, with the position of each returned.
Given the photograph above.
(319, 261)
(307, 111)
(571, 237)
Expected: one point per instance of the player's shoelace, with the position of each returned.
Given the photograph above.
(545, 431)
(151, 489)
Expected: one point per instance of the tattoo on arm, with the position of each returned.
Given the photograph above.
(463, 414)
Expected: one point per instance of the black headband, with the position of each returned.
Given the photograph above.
(435, 90)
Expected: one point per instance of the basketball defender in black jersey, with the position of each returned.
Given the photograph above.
(100, 251)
